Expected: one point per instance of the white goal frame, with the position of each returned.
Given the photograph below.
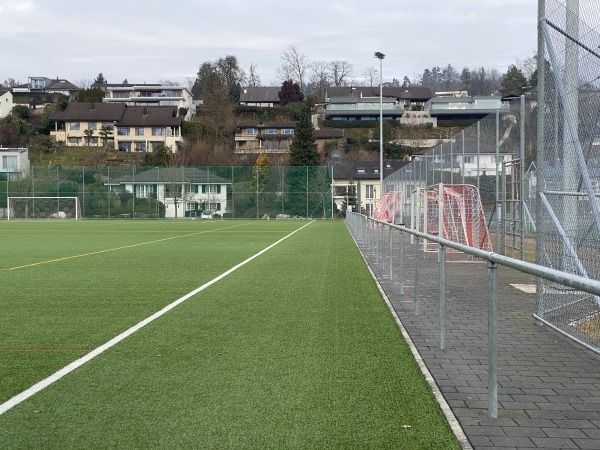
(34, 198)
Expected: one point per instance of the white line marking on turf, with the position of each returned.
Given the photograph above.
(19, 398)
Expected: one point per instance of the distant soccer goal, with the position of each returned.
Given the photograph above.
(389, 208)
(453, 212)
(44, 208)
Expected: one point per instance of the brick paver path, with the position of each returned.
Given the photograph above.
(548, 386)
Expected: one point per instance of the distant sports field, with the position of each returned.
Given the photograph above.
(201, 334)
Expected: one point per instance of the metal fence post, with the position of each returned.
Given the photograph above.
(391, 242)
(401, 265)
(442, 263)
(417, 305)
(492, 364)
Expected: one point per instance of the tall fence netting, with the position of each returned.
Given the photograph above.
(235, 192)
(569, 211)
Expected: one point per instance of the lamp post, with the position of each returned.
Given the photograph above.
(380, 56)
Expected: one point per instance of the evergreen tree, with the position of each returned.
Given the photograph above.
(466, 79)
(303, 150)
(161, 156)
(290, 93)
(100, 79)
(514, 82)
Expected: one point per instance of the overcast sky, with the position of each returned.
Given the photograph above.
(151, 40)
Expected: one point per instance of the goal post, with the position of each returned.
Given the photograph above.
(453, 212)
(65, 208)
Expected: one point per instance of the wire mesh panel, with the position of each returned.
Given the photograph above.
(568, 163)
(474, 156)
(180, 192)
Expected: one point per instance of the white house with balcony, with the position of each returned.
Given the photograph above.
(185, 191)
(363, 108)
(150, 95)
(475, 107)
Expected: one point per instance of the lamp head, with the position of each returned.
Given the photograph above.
(379, 55)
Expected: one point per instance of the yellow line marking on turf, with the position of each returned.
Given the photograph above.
(43, 350)
(139, 244)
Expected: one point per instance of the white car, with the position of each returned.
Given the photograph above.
(206, 215)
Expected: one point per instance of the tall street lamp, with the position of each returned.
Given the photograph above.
(380, 56)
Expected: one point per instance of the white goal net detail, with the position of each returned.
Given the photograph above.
(43, 208)
(453, 212)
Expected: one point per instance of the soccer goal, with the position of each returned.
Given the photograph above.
(43, 208)
(389, 208)
(453, 212)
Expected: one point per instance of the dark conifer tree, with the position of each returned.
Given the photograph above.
(303, 149)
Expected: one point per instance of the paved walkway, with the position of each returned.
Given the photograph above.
(548, 386)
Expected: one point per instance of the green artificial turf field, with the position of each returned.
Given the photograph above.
(294, 349)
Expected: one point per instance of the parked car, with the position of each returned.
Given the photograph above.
(206, 215)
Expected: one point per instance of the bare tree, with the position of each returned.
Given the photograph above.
(340, 72)
(11, 83)
(85, 83)
(169, 83)
(372, 75)
(320, 77)
(189, 83)
(294, 64)
(253, 76)
(527, 65)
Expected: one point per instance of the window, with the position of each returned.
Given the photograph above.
(145, 190)
(498, 159)
(125, 146)
(369, 191)
(191, 189)
(140, 146)
(139, 131)
(157, 131)
(190, 206)
(214, 206)
(360, 170)
(74, 140)
(74, 126)
(468, 159)
(123, 131)
(9, 162)
(288, 131)
(251, 131)
(270, 131)
(91, 126)
(211, 188)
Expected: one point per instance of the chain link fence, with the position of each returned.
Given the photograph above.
(493, 155)
(568, 160)
(169, 192)
(539, 191)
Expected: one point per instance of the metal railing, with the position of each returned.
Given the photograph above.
(370, 233)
